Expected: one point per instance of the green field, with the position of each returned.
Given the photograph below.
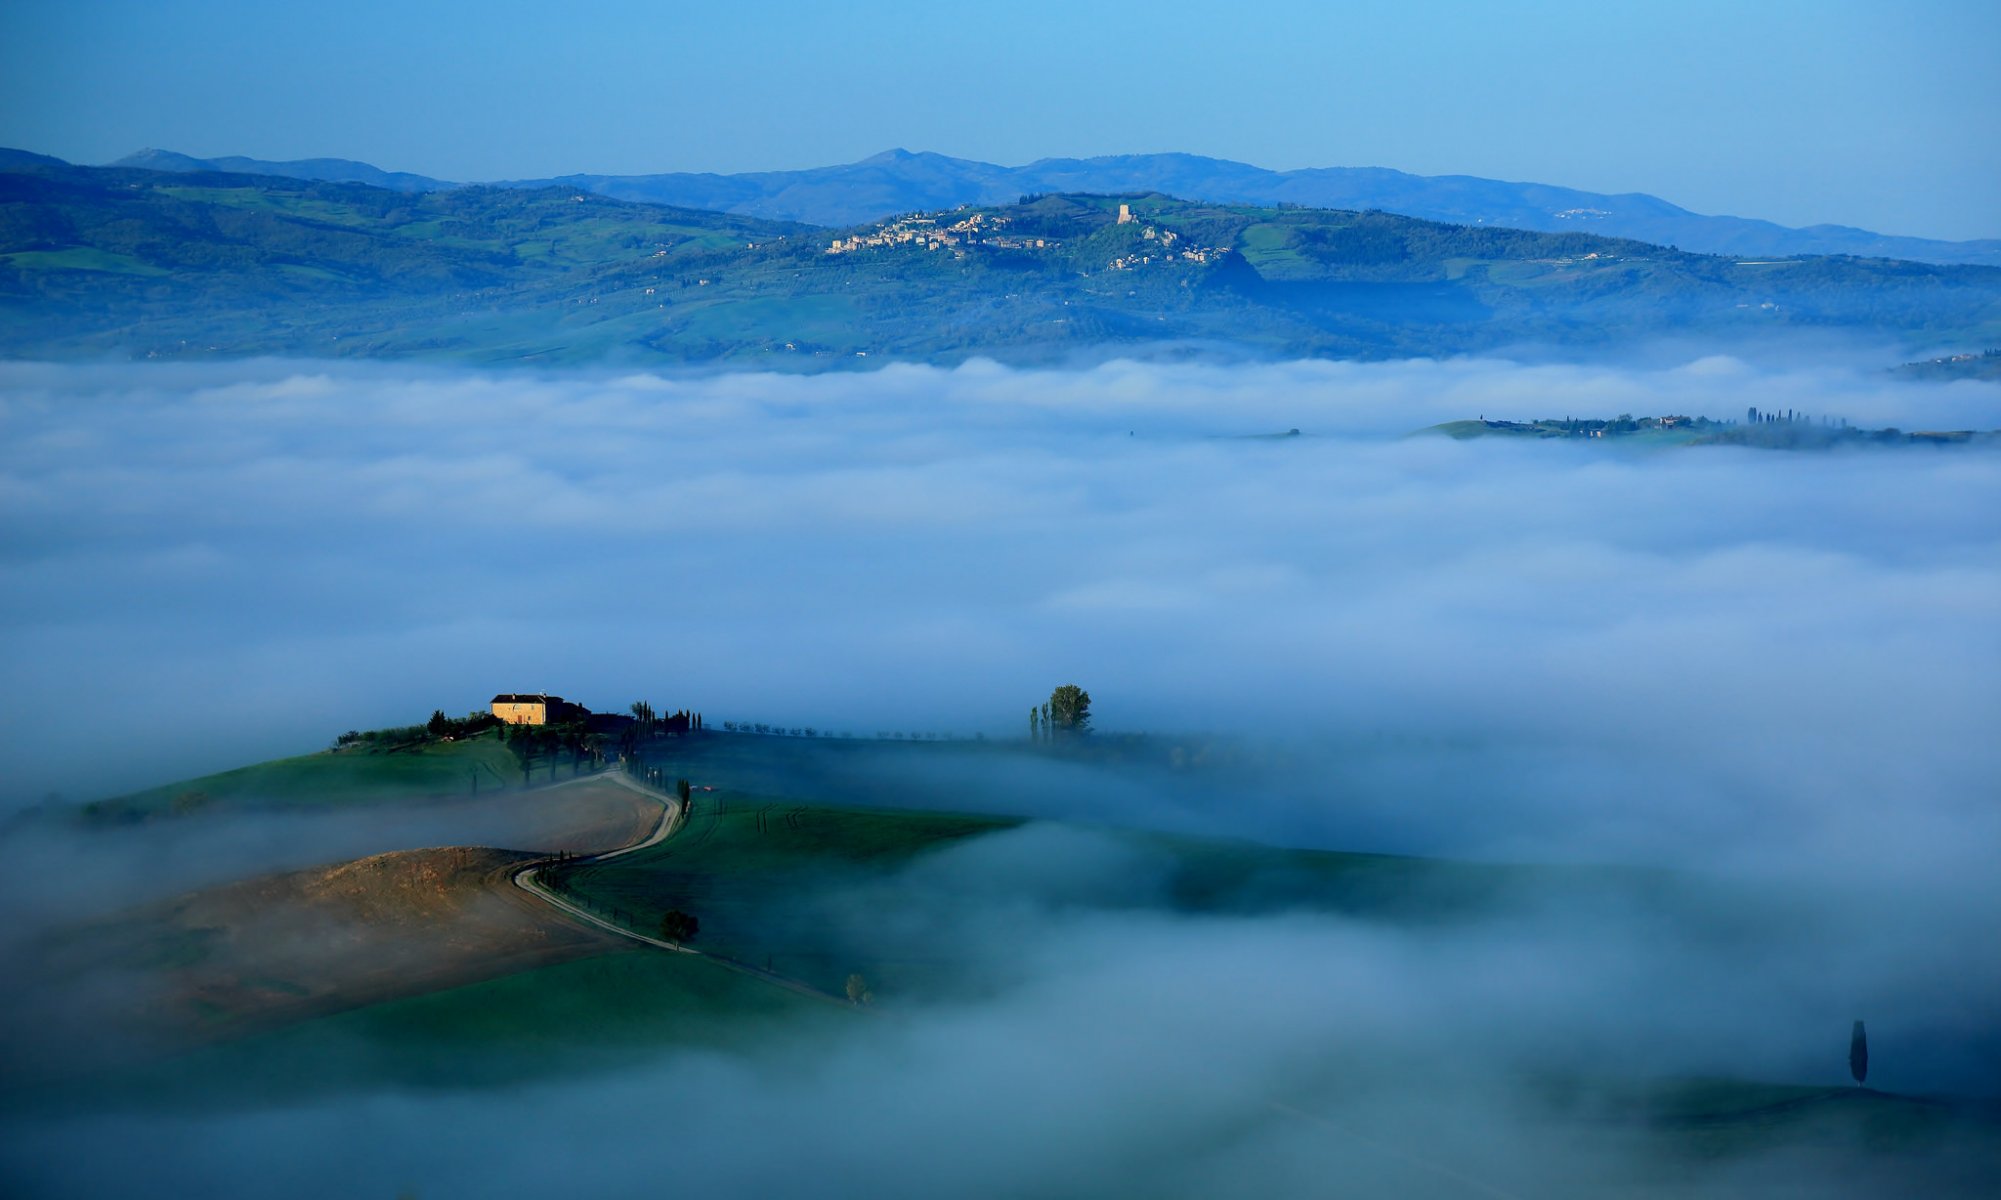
(778, 885)
(788, 868)
(592, 1014)
(760, 875)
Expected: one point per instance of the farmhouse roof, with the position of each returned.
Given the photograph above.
(526, 698)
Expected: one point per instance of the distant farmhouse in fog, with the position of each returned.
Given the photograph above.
(524, 708)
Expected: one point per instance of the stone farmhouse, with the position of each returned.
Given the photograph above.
(537, 708)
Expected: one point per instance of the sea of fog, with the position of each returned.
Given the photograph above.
(1778, 669)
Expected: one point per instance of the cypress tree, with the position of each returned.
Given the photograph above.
(1858, 1054)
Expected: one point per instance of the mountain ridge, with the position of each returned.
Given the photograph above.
(899, 181)
(323, 170)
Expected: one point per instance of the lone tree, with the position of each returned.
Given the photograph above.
(678, 927)
(1858, 1054)
(1070, 710)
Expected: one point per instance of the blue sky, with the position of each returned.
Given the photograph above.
(1887, 117)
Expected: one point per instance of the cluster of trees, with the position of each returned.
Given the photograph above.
(1067, 714)
(1753, 417)
(1623, 423)
(438, 728)
(471, 725)
(881, 735)
(779, 730)
(531, 743)
(397, 735)
(808, 731)
(1802, 435)
(656, 777)
(647, 720)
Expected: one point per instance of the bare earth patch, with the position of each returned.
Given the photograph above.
(240, 957)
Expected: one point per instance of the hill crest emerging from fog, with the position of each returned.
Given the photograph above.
(137, 263)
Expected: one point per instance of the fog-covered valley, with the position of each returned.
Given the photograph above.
(226, 563)
(1763, 678)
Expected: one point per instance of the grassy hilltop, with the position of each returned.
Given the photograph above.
(360, 774)
(136, 263)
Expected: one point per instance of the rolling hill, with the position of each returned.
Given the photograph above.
(124, 262)
(324, 170)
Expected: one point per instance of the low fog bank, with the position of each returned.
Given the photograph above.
(1771, 674)
(210, 565)
(1538, 651)
(1775, 668)
(1131, 1053)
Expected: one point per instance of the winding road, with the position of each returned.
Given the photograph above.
(674, 814)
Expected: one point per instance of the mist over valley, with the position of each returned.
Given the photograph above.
(1453, 808)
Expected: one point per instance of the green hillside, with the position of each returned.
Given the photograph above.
(152, 264)
(135, 263)
(591, 1014)
(359, 774)
(780, 885)
(786, 849)
(789, 876)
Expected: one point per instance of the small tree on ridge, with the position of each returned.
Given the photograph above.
(1069, 710)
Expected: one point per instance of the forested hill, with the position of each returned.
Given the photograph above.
(137, 263)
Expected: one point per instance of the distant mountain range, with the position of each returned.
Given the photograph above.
(126, 262)
(899, 181)
(328, 170)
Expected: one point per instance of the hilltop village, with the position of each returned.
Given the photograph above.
(980, 230)
(939, 233)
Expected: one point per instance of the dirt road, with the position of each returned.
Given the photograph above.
(671, 819)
